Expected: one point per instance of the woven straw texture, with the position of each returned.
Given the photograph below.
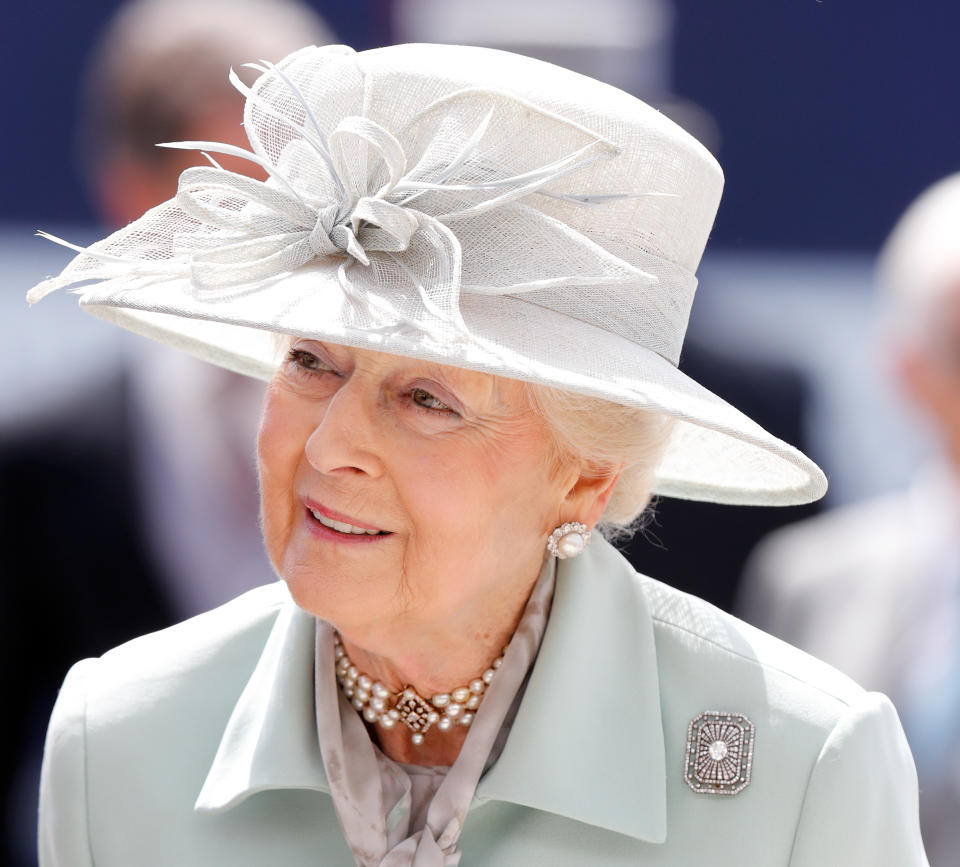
(462, 205)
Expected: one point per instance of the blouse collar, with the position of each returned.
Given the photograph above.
(590, 717)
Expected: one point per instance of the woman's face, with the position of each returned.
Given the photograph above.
(443, 475)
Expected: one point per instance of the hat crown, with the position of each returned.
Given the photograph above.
(603, 205)
(394, 84)
(656, 155)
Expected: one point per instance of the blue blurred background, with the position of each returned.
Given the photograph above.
(827, 117)
(832, 115)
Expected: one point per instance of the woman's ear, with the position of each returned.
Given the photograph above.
(589, 495)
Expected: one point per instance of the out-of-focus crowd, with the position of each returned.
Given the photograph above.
(124, 507)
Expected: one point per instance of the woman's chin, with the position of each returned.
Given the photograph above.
(333, 586)
(316, 597)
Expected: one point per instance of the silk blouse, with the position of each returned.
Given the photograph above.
(395, 815)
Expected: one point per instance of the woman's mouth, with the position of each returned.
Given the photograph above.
(327, 524)
(342, 527)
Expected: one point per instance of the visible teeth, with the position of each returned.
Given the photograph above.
(341, 527)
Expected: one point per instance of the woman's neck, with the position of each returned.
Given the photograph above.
(434, 659)
(432, 669)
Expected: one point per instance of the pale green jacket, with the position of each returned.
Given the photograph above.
(198, 746)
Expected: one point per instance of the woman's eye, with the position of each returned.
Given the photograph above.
(422, 397)
(307, 360)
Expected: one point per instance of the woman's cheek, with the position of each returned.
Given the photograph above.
(277, 463)
(274, 518)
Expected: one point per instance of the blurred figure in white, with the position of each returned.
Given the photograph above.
(874, 588)
(125, 509)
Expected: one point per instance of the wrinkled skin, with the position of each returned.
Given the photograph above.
(456, 469)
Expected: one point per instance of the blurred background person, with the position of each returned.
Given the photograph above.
(874, 588)
(123, 508)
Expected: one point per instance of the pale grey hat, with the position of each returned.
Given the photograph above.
(462, 205)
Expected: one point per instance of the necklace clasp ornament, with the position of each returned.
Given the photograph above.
(719, 754)
(380, 706)
(416, 713)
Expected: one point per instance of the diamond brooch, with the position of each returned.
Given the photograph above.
(719, 755)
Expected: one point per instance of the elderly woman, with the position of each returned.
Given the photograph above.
(467, 279)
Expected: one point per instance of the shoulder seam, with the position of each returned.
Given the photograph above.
(845, 702)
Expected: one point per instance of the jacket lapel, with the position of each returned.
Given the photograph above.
(587, 742)
(271, 741)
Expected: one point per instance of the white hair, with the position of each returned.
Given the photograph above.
(919, 265)
(608, 437)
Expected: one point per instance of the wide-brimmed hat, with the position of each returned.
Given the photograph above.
(462, 205)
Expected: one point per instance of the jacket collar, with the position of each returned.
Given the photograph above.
(589, 721)
(590, 718)
(270, 741)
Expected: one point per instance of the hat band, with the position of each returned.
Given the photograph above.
(652, 314)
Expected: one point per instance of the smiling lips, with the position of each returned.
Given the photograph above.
(341, 527)
(326, 519)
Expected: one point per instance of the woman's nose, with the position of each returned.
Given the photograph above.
(344, 439)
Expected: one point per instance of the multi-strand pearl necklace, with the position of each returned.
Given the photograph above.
(385, 708)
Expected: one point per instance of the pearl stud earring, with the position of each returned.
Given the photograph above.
(568, 540)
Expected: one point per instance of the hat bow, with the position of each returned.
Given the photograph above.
(447, 206)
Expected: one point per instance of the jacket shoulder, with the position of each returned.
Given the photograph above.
(146, 717)
(205, 660)
(189, 641)
(688, 627)
(816, 737)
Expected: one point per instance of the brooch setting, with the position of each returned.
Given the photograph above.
(719, 754)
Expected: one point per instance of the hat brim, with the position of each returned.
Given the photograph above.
(716, 453)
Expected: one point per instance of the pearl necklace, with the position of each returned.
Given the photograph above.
(382, 707)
